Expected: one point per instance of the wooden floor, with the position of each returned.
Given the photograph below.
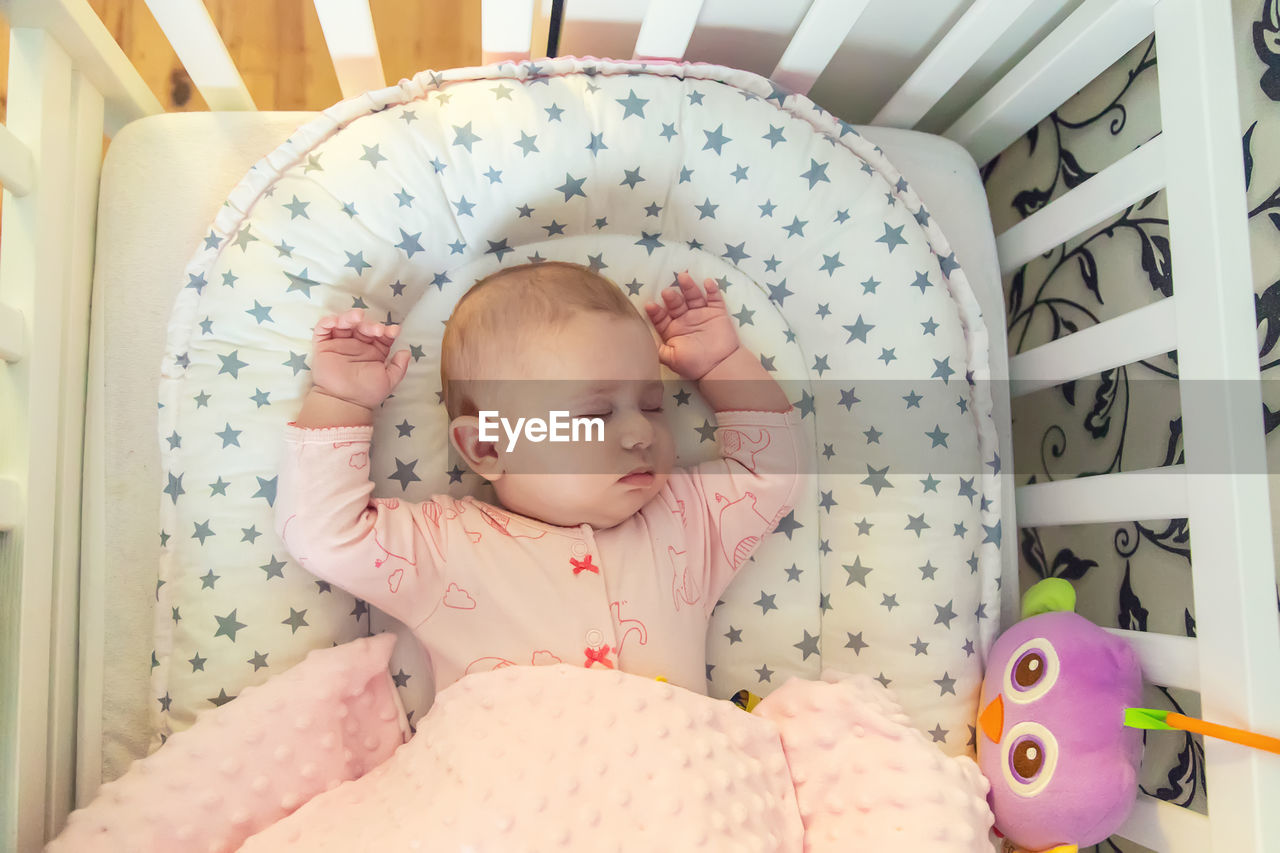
(279, 48)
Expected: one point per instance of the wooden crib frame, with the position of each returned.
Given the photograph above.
(69, 84)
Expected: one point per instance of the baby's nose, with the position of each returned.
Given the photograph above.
(637, 432)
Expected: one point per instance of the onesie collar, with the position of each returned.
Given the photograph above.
(504, 519)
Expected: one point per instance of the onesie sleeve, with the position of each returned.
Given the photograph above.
(740, 497)
(386, 551)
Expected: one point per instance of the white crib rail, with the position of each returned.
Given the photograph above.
(1222, 490)
(1166, 659)
(1082, 47)
(1168, 828)
(506, 29)
(191, 33)
(816, 40)
(1152, 494)
(965, 43)
(1133, 177)
(93, 52)
(666, 29)
(1230, 515)
(1142, 333)
(352, 43)
(17, 169)
(45, 270)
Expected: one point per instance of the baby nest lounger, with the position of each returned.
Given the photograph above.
(397, 201)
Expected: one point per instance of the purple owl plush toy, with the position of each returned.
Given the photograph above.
(1052, 739)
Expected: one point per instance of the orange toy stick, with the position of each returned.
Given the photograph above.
(1240, 736)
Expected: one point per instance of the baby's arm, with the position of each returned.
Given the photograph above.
(385, 551)
(744, 494)
(699, 343)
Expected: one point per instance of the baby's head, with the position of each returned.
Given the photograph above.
(535, 339)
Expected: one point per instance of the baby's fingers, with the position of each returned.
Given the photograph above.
(371, 332)
(397, 368)
(658, 317)
(714, 296)
(689, 290)
(675, 302)
(338, 325)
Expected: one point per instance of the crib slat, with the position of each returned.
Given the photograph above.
(815, 42)
(17, 169)
(190, 30)
(1165, 827)
(33, 279)
(13, 333)
(10, 504)
(1233, 564)
(1133, 177)
(965, 43)
(1142, 333)
(1167, 660)
(1093, 37)
(353, 45)
(666, 29)
(93, 580)
(64, 623)
(81, 33)
(506, 30)
(1149, 494)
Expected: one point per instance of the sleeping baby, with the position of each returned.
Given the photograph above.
(599, 552)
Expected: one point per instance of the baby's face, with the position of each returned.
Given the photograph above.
(596, 366)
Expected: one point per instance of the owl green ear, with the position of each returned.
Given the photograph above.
(1050, 595)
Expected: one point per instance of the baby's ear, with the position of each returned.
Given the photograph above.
(481, 456)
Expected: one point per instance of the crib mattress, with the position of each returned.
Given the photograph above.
(163, 180)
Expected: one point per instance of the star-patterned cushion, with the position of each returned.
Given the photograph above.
(398, 200)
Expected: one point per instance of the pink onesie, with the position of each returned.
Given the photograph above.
(483, 588)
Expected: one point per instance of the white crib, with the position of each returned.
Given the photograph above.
(69, 83)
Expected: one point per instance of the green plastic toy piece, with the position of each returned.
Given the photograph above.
(1146, 718)
(1051, 595)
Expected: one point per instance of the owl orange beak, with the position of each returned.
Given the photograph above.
(991, 720)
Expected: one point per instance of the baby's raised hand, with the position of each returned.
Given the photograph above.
(350, 360)
(696, 331)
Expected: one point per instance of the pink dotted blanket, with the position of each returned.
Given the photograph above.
(539, 758)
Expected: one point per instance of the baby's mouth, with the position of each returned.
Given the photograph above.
(641, 476)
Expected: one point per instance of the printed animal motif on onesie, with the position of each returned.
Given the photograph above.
(455, 511)
(684, 586)
(677, 510)
(740, 522)
(398, 563)
(542, 657)
(431, 513)
(501, 522)
(627, 626)
(742, 448)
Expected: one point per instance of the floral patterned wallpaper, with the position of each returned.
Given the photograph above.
(1135, 575)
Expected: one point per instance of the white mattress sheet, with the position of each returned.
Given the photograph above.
(163, 180)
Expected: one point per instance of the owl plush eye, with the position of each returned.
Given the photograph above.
(1030, 758)
(1031, 672)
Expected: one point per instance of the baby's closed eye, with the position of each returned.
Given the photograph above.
(606, 413)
